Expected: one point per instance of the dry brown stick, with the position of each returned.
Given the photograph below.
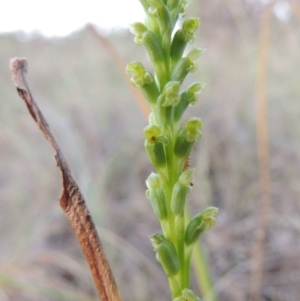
(263, 156)
(71, 200)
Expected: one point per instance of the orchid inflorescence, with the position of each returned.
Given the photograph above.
(168, 144)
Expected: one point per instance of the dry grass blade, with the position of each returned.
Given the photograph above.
(263, 155)
(71, 201)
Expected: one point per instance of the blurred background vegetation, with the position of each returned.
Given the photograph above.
(93, 113)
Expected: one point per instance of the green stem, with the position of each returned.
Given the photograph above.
(171, 218)
(169, 187)
(203, 274)
(180, 248)
(188, 256)
(165, 228)
(175, 287)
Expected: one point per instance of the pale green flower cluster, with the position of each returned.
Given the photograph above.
(168, 143)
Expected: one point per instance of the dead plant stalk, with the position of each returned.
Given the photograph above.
(263, 155)
(71, 200)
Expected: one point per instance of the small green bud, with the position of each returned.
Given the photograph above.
(182, 147)
(186, 177)
(179, 10)
(173, 3)
(184, 66)
(177, 47)
(180, 190)
(158, 202)
(150, 91)
(182, 8)
(199, 223)
(182, 37)
(178, 198)
(189, 27)
(181, 69)
(143, 80)
(154, 146)
(195, 88)
(153, 181)
(188, 97)
(195, 53)
(189, 295)
(193, 125)
(151, 133)
(187, 136)
(156, 240)
(209, 212)
(153, 46)
(152, 24)
(166, 254)
(161, 12)
(156, 154)
(170, 94)
(138, 29)
(193, 92)
(155, 52)
(183, 104)
(139, 74)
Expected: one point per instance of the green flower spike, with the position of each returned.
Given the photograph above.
(168, 143)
